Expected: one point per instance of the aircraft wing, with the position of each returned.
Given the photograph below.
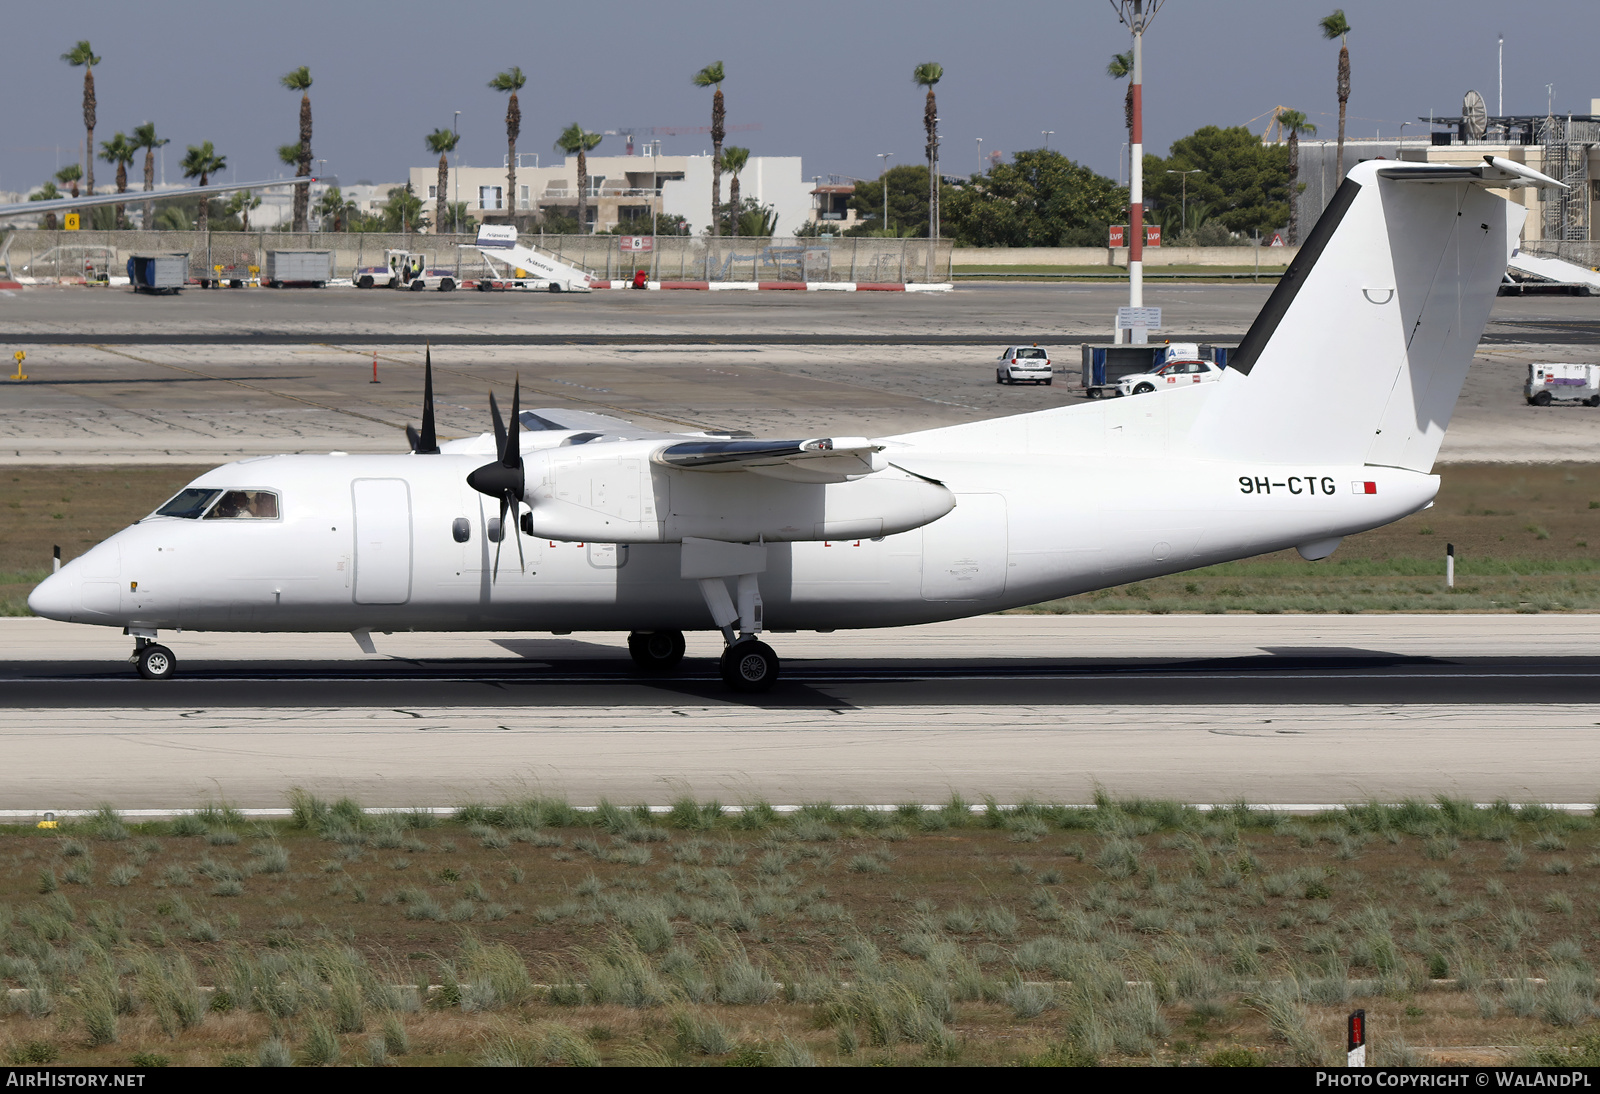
(134, 197)
(817, 459)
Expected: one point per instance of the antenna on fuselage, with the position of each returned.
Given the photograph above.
(425, 443)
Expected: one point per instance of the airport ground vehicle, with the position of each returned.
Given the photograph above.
(1552, 382)
(404, 270)
(1184, 367)
(1024, 364)
(527, 269)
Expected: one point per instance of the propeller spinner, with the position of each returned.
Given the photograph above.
(503, 479)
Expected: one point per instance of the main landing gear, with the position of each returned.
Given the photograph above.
(748, 664)
(154, 662)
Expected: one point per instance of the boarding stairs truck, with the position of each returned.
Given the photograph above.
(527, 269)
(1556, 274)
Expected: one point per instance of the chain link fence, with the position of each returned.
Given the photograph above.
(63, 256)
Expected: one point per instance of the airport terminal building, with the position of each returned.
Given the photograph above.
(623, 190)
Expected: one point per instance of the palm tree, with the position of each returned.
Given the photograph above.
(240, 204)
(69, 177)
(299, 80)
(119, 151)
(47, 192)
(926, 75)
(334, 206)
(512, 81)
(712, 76)
(81, 54)
(202, 162)
(1294, 123)
(1121, 68)
(144, 136)
(1337, 26)
(442, 141)
(734, 159)
(576, 139)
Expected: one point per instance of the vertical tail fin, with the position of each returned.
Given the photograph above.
(1360, 352)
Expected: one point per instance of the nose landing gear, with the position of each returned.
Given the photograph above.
(154, 661)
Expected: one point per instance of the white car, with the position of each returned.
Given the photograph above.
(1170, 375)
(1024, 363)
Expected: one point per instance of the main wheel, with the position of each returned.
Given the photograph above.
(656, 651)
(1144, 389)
(749, 666)
(1541, 399)
(155, 662)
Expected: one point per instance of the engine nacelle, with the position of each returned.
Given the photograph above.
(622, 497)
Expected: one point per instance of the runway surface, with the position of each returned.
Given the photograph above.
(1203, 708)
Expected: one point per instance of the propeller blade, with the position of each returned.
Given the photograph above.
(502, 538)
(511, 450)
(516, 530)
(428, 443)
(499, 427)
(413, 438)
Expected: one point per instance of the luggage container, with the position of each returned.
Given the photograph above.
(158, 273)
(1568, 383)
(313, 268)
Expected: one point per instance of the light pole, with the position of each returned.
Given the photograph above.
(816, 200)
(1183, 183)
(1136, 15)
(883, 180)
(322, 171)
(980, 155)
(455, 175)
(1048, 133)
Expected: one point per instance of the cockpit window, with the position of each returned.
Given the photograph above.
(245, 505)
(188, 503)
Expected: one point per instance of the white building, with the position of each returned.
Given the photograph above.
(623, 189)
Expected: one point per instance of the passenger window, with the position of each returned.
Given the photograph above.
(461, 529)
(245, 505)
(188, 503)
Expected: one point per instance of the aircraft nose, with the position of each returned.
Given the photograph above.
(56, 597)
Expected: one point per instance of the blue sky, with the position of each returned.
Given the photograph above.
(826, 80)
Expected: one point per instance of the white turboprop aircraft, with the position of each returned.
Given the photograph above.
(1326, 423)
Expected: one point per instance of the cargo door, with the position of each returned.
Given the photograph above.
(383, 541)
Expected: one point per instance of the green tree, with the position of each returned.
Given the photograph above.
(300, 80)
(47, 192)
(712, 76)
(1337, 26)
(927, 75)
(511, 81)
(119, 151)
(82, 56)
(202, 162)
(734, 160)
(1121, 68)
(1041, 199)
(144, 136)
(1294, 123)
(69, 176)
(576, 140)
(239, 205)
(334, 210)
(404, 211)
(1243, 184)
(442, 141)
(908, 202)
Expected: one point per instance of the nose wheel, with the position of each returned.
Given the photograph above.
(154, 662)
(749, 666)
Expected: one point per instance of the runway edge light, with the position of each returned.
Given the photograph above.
(48, 822)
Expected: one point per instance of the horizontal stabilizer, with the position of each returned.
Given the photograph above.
(1495, 171)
